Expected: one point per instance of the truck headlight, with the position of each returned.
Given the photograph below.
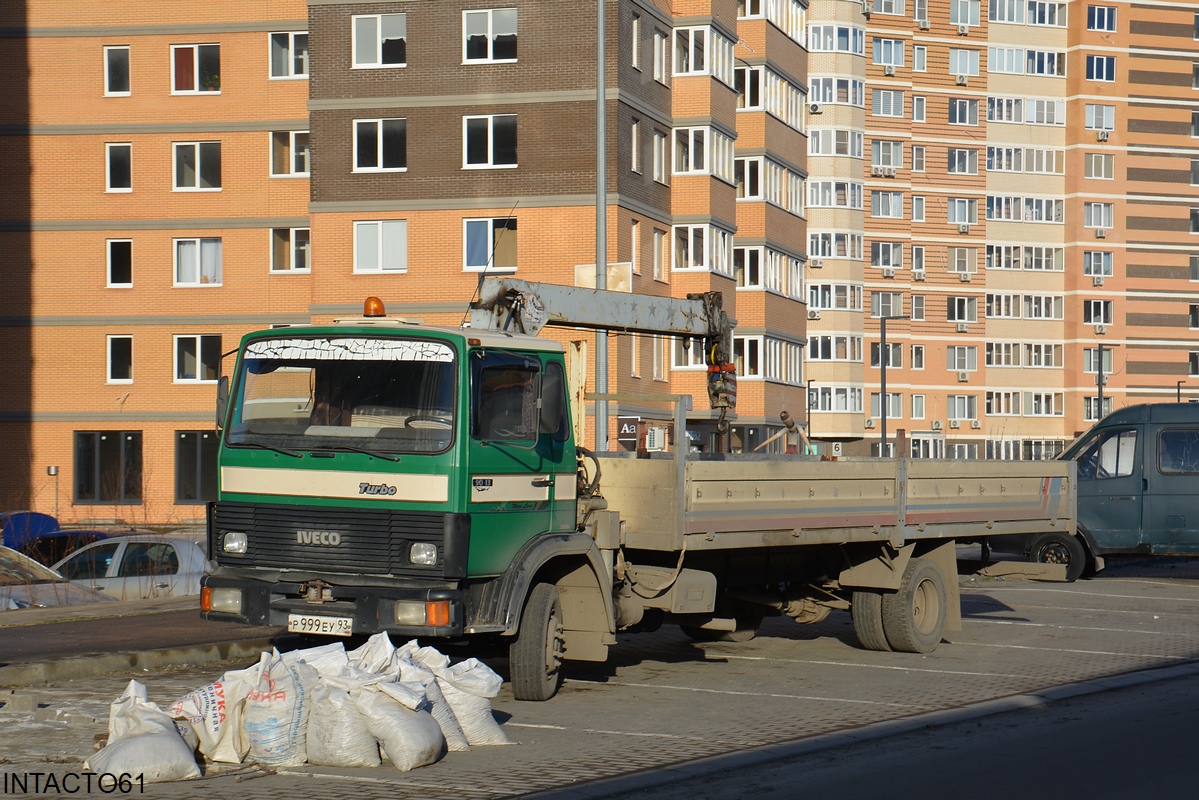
(222, 600)
(234, 542)
(423, 553)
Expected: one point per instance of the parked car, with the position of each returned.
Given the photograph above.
(139, 565)
(39, 536)
(24, 583)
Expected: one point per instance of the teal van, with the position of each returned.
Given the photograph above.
(1138, 490)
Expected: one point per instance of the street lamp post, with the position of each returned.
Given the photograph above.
(883, 359)
(808, 412)
(1100, 379)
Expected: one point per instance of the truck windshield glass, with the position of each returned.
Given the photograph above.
(505, 397)
(388, 395)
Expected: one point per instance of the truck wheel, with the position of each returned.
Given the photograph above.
(535, 655)
(914, 617)
(1060, 548)
(867, 611)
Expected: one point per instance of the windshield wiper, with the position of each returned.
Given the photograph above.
(285, 451)
(349, 448)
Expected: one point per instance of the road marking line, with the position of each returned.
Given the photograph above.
(1078, 627)
(971, 616)
(613, 733)
(1093, 594)
(397, 780)
(765, 694)
(1069, 650)
(873, 666)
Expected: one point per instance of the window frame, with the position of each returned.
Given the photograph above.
(204, 470)
(380, 140)
(198, 241)
(109, 282)
(1097, 75)
(198, 149)
(199, 340)
(491, 36)
(129, 468)
(109, 147)
(197, 75)
(509, 224)
(292, 246)
(379, 40)
(292, 153)
(108, 340)
(380, 240)
(291, 75)
(108, 90)
(491, 142)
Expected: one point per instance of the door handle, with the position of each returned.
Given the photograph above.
(543, 482)
(161, 585)
(1144, 484)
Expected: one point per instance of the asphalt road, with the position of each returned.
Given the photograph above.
(1129, 743)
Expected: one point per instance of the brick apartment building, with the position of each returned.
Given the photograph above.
(1012, 181)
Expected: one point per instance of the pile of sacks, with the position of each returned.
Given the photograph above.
(321, 706)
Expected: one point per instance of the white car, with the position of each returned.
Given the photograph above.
(140, 565)
(24, 583)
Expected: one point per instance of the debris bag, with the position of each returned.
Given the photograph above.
(143, 739)
(400, 720)
(327, 659)
(275, 720)
(468, 687)
(337, 731)
(215, 712)
(455, 739)
(428, 657)
(378, 655)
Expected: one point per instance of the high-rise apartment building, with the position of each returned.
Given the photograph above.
(1012, 185)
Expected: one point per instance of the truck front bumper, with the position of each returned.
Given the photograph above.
(404, 611)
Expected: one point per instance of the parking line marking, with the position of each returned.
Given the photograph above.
(612, 733)
(874, 666)
(1069, 650)
(972, 615)
(1087, 594)
(766, 694)
(1078, 627)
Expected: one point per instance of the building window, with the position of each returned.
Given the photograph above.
(660, 157)
(1195, 124)
(197, 359)
(196, 466)
(1103, 166)
(1195, 172)
(886, 204)
(197, 262)
(886, 304)
(380, 40)
(635, 145)
(917, 356)
(1100, 118)
(116, 71)
(291, 250)
(289, 55)
(490, 35)
(381, 145)
(962, 210)
(1097, 312)
(635, 60)
(961, 309)
(886, 255)
(1098, 215)
(919, 58)
(1101, 68)
(635, 246)
(918, 249)
(690, 150)
(197, 166)
(894, 402)
(964, 12)
(886, 103)
(658, 357)
(490, 244)
(108, 467)
(1195, 268)
(120, 359)
(748, 83)
(1101, 18)
(1090, 360)
(489, 141)
(1097, 263)
(661, 57)
(1045, 62)
(118, 173)
(962, 161)
(919, 106)
(381, 246)
(703, 247)
(659, 254)
(963, 61)
(836, 39)
(1091, 409)
(289, 154)
(962, 406)
(917, 406)
(1193, 363)
(1011, 11)
(120, 263)
(963, 112)
(917, 158)
(888, 51)
(886, 153)
(195, 68)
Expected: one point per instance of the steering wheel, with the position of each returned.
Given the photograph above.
(431, 421)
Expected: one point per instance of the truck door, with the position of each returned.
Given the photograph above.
(511, 471)
(1110, 488)
(1171, 502)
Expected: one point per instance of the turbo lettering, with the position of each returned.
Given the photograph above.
(376, 488)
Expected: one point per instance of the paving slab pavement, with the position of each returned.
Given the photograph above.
(663, 702)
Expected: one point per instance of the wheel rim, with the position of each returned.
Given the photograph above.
(926, 606)
(553, 644)
(1055, 554)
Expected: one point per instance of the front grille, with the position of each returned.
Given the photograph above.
(369, 541)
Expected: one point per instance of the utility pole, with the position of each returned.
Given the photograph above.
(884, 357)
(601, 225)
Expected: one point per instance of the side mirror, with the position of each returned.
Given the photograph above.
(222, 401)
(551, 404)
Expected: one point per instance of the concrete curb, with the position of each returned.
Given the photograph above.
(41, 673)
(758, 756)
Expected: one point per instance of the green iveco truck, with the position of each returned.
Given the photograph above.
(378, 474)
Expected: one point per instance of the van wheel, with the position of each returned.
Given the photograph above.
(867, 611)
(1060, 548)
(535, 655)
(914, 617)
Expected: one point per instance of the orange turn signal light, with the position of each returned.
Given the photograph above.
(437, 613)
(206, 599)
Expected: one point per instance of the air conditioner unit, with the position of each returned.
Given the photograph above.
(816, 263)
(869, 423)
(963, 377)
(655, 438)
(876, 170)
(955, 423)
(965, 277)
(888, 69)
(1097, 280)
(815, 108)
(1100, 233)
(976, 424)
(963, 80)
(1102, 135)
(936, 424)
(813, 314)
(923, 24)
(963, 327)
(888, 172)
(917, 274)
(1100, 329)
(963, 228)
(888, 272)
(963, 30)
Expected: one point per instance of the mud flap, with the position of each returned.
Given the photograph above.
(945, 557)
